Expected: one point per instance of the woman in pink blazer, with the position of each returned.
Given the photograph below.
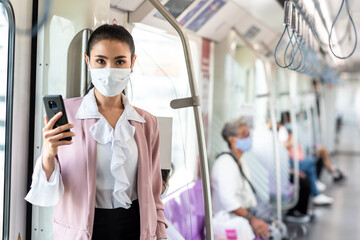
(106, 182)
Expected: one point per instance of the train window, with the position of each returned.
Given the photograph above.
(160, 76)
(261, 89)
(260, 78)
(4, 33)
(282, 92)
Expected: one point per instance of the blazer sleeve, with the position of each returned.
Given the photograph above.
(157, 184)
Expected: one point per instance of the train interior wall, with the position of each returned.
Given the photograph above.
(237, 84)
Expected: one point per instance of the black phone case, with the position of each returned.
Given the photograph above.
(54, 104)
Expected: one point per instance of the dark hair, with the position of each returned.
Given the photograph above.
(285, 117)
(314, 82)
(111, 32)
(230, 128)
(165, 174)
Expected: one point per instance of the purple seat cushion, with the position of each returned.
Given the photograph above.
(184, 208)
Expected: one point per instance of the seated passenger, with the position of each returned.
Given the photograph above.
(231, 191)
(324, 160)
(307, 165)
(299, 213)
(263, 149)
(323, 157)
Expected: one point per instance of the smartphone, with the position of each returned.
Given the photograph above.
(54, 104)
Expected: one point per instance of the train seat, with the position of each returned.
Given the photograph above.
(184, 209)
(263, 150)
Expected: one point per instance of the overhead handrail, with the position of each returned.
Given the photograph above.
(323, 21)
(303, 39)
(353, 25)
(287, 22)
(9, 118)
(192, 101)
(298, 52)
(293, 55)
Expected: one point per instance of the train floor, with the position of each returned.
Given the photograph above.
(342, 219)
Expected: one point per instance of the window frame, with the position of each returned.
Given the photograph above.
(8, 118)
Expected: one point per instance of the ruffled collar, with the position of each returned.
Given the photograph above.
(119, 137)
(89, 108)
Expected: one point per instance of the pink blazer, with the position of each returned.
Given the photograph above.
(74, 214)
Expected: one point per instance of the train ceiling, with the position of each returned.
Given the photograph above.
(260, 21)
(213, 19)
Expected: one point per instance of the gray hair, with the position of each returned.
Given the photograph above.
(230, 128)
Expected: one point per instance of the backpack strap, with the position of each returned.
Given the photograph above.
(240, 168)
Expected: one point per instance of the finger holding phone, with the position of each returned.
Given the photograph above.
(55, 133)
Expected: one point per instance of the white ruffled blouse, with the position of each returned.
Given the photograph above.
(117, 161)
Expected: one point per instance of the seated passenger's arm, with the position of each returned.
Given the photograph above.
(289, 143)
(301, 173)
(259, 226)
(45, 191)
(242, 212)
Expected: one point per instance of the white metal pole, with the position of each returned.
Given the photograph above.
(268, 73)
(194, 102)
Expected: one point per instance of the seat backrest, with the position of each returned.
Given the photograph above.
(184, 208)
(257, 174)
(263, 150)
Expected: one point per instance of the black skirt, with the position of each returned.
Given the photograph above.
(118, 223)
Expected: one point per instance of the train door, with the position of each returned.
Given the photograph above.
(61, 69)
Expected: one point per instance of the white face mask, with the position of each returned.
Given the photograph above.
(110, 81)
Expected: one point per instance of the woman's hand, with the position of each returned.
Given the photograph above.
(260, 228)
(52, 142)
(302, 174)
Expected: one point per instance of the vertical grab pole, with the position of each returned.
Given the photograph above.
(197, 115)
(295, 142)
(84, 73)
(279, 223)
(268, 73)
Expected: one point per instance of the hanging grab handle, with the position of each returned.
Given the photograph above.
(353, 25)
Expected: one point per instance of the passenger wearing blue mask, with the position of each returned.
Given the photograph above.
(244, 144)
(232, 192)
